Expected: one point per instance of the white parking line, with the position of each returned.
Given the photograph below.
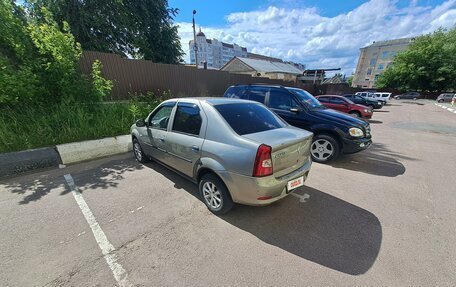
(106, 247)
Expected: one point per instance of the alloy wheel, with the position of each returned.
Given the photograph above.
(322, 149)
(137, 150)
(212, 195)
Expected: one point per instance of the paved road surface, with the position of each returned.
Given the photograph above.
(382, 217)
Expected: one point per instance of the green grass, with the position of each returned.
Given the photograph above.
(33, 127)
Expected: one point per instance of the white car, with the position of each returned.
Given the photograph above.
(384, 96)
(371, 96)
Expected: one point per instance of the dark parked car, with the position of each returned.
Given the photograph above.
(334, 132)
(445, 98)
(409, 96)
(344, 105)
(372, 104)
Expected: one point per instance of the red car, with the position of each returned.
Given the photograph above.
(342, 104)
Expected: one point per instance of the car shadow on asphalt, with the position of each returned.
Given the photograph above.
(377, 160)
(324, 229)
(35, 187)
(375, 122)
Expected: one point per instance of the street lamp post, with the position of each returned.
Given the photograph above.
(195, 47)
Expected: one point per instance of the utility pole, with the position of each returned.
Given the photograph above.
(195, 47)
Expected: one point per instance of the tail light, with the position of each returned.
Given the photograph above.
(263, 162)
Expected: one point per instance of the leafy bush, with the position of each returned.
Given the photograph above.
(101, 87)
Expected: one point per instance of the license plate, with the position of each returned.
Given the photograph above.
(295, 183)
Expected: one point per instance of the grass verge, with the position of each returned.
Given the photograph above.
(33, 127)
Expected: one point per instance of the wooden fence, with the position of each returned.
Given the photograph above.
(140, 76)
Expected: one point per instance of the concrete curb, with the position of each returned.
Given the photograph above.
(87, 150)
(450, 109)
(14, 163)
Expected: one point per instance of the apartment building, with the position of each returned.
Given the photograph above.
(375, 58)
(213, 52)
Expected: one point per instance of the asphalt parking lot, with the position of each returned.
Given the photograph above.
(385, 216)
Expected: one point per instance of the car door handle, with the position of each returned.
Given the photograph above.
(195, 148)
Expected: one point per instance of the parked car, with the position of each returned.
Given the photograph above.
(383, 96)
(237, 151)
(409, 96)
(445, 98)
(372, 104)
(371, 96)
(345, 105)
(334, 132)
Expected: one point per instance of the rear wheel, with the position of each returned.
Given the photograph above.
(215, 194)
(324, 148)
(138, 151)
(355, 113)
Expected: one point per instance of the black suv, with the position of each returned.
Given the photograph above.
(334, 132)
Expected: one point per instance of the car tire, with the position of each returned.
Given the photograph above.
(439, 101)
(398, 98)
(356, 114)
(414, 99)
(317, 148)
(138, 152)
(215, 194)
(371, 107)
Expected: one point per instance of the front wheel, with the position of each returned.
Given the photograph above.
(371, 107)
(215, 194)
(138, 151)
(324, 148)
(355, 113)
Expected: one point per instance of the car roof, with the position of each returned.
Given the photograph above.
(336, 96)
(210, 100)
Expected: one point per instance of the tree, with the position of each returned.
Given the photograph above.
(38, 61)
(350, 80)
(131, 28)
(429, 64)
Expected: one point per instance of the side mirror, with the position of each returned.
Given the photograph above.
(295, 110)
(140, 123)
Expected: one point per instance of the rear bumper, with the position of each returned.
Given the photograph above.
(355, 145)
(247, 189)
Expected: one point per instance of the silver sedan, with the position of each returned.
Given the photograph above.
(237, 151)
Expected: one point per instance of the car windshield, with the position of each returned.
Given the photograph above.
(306, 98)
(349, 101)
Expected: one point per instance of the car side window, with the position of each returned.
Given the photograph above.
(323, 99)
(234, 92)
(281, 100)
(159, 120)
(258, 94)
(338, 101)
(187, 119)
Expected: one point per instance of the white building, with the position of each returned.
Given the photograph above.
(215, 53)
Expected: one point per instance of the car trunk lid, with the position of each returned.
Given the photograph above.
(290, 148)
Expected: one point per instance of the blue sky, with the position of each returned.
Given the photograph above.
(320, 34)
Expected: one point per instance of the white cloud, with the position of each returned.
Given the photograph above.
(303, 35)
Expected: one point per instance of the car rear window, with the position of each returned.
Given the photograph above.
(249, 118)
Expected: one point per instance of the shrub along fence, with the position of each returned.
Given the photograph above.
(140, 76)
